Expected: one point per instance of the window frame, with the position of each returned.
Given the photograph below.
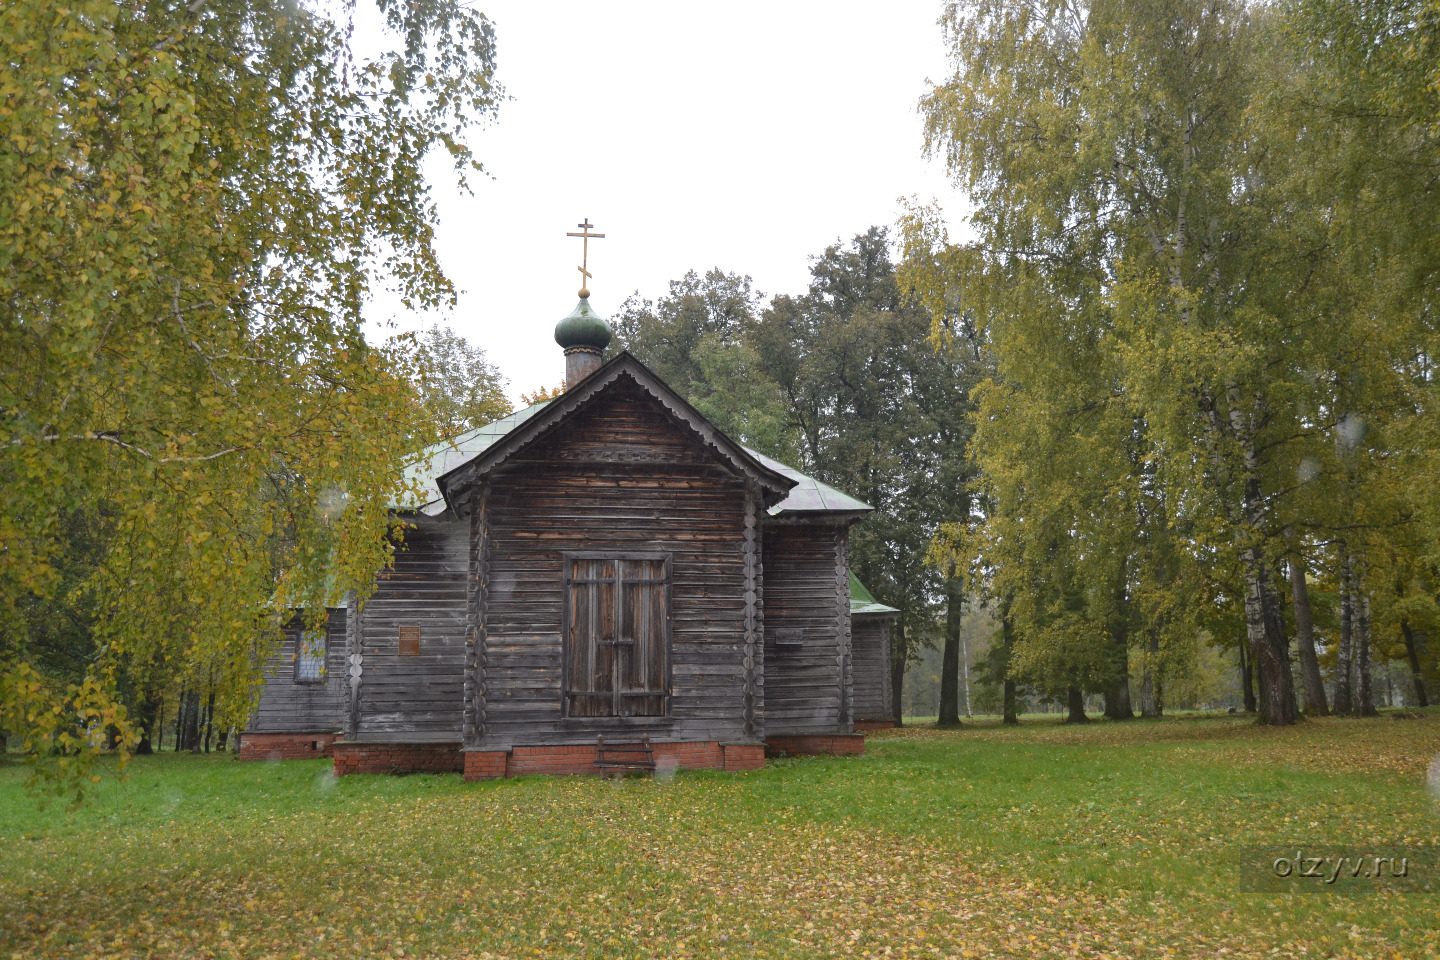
(568, 559)
(324, 635)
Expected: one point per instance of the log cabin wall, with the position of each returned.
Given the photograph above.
(870, 642)
(411, 687)
(808, 674)
(622, 477)
(290, 706)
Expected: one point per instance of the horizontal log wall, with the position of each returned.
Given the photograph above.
(803, 638)
(421, 697)
(620, 476)
(870, 646)
(289, 707)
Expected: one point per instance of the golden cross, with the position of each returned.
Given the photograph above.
(586, 236)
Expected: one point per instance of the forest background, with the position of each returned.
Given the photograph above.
(1169, 417)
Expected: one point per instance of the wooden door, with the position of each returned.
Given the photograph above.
(616, 636)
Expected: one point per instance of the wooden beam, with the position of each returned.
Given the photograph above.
(477, 604)
(754, 709)
(842, 628)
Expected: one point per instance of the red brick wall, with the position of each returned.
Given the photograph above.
(861, 725)
(838, 743)
(744, 756)
(694, 755)
(397, 758)
(286, 746)
(487, 765)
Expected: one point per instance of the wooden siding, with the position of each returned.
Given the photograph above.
(620, 476)
(808, 672)
(870, 644)
(416, 697)
(290, 707)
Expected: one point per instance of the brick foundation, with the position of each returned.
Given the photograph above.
(485, 765)
(693, 755)
(351, 757)
(863, 725)
(834, 743)
(744, 756)
(286, 746)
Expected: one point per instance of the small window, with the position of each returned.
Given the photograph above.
(616, 636)
(410, 640)
(310, 656)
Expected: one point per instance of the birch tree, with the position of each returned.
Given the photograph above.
(1125, 142)
(195, 202)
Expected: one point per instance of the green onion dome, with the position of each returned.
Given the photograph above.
(584, 328)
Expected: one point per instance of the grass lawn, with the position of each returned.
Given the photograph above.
(1109, 840)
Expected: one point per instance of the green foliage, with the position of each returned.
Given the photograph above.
(459, 388)
(1207, 352)
(881, 413)
(195, 201)
(844, 383)
(697, 339)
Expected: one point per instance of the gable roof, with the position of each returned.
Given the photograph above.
(863, 601)
(444, 466)
(624, 366)
(440, 458)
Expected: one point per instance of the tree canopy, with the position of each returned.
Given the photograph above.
(1208, 363)
(195, 202)
(843, 381)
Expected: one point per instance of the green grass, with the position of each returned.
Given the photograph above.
(1118, 840)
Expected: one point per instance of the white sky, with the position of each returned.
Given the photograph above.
(743, 135)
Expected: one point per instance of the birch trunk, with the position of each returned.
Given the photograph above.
(1267, 646)
(899, 653)
(1117, 692)
(1007, 635)
(1364, 693)
(1150, 698)
(1412, 653)
(1315, 704)
(1344, 700)
(1247, 678)
(950, 659)
(1264, 626)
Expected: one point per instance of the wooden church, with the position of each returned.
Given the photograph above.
(604, 579)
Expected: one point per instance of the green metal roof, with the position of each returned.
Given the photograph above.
(807, 496)
(810, 495)
(439, 459)
(863, 601)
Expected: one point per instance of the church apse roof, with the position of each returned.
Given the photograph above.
(809, 495)
(863, 601)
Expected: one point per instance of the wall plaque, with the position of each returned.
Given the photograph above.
(410, 640)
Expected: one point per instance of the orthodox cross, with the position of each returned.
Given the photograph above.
(585, 236)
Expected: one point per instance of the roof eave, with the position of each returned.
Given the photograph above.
(828, 516)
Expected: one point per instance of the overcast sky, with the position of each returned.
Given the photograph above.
(746, 136)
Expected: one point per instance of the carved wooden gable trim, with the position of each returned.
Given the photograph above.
(774, 485)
